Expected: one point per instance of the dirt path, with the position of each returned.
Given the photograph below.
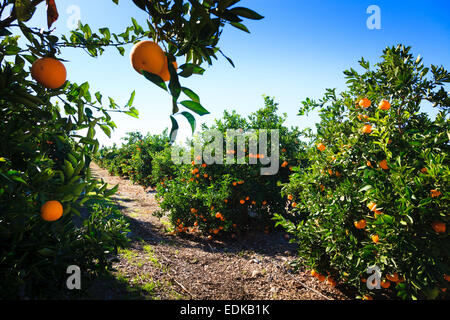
(163, 266)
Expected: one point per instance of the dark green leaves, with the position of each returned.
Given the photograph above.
(24, 9)
(246, 13)
(133, 112)
(195, 106)
(188, 69)
(240, 26)
(191, 94)
(174, 130)
(4, 32)
(155, 79)
(190, 118)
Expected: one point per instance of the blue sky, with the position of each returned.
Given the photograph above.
(298, 50)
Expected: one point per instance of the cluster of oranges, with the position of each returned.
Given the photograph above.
(145, 56)
(329, 280)
(366, 103)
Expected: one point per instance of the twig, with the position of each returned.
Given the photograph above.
(172, 278)
(182, 287)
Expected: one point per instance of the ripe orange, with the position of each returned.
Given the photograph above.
(392, 277)
(52, 210)
(49, 72)
(383, 164)
(314, 273)
(165, 74)
(377, 213)
(384, 105)
(385, 283)
(290, 197)
(365, 103)
(361, 224)
(242, 201)
(439, 227)
(447, 277)
(435, 193)
(294, 204)
(367, 129)
(424, 170)
(367, 297)
(148, 56)
(321, 277)
(264, 203)
(375, 238)
(284, 164)
(247, 198)
(372, 206)
(321, 147)
(218, 215)
(331, 282)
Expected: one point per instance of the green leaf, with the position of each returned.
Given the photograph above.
(189, 69)
(191, 94)
(175, 108)
(46, 252)
(121, 50)
(174, 130)
(190, 118)
(240, 26)
(174, 84)
(365, 188)
(155, 79)
(246, 13)
(106, 130)
(4, 32)
(195, 106)
(24, 10)
(111, 191)
(130, 101)
(133, 112)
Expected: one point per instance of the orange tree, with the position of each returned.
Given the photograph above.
(134, 158)
(221, 198)
(376, 191)
(45, 157)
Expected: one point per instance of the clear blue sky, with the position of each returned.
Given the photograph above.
(298, 50)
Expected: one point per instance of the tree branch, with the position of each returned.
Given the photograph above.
(12, 17)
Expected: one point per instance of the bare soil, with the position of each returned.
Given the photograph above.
(159, 265)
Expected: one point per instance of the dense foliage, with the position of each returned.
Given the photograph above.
(377, 188)
(49, 133)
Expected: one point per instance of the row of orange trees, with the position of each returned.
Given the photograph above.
(211, 198)
(369, 189)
